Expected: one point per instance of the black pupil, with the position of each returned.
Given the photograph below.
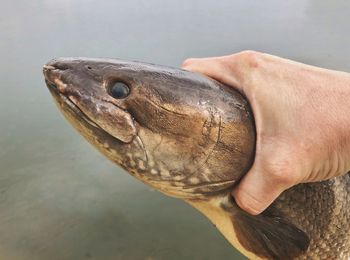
(119, 90)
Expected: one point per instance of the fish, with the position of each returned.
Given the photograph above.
(193, 138)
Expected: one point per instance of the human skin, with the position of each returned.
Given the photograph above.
(302, 118)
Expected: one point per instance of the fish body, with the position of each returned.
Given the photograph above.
(193, 138)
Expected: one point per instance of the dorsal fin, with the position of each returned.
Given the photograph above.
(267, 236)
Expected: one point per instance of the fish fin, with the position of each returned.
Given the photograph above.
(265, 236)
(270, 235)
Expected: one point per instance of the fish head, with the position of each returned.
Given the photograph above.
(160, 124)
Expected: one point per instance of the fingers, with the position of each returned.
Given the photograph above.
(232, 70)
(259, 188)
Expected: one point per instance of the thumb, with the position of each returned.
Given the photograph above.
(259, 188)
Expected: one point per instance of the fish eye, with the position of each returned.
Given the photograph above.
(119, 90)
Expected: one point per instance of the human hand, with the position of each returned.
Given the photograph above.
(302, 118)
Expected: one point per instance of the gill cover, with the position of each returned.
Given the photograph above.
(111, 119)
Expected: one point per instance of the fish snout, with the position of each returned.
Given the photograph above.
(55, 71)
(51, 73)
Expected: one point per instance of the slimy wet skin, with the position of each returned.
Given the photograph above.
(169, 128)
(193, 138)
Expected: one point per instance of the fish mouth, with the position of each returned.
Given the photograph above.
(56, 87)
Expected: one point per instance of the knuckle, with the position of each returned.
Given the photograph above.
(251, 58)
(249, 53)
(281, 172)
(280, 161)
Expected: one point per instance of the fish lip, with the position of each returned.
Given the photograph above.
(69, 102)
(48, 67)
(52, 78)
(51, 72)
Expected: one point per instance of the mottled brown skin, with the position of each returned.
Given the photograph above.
(193, 138)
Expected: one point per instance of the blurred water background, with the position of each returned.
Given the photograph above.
(59, 198)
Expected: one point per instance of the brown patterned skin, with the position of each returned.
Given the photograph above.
(193, 138)
(322, 210)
